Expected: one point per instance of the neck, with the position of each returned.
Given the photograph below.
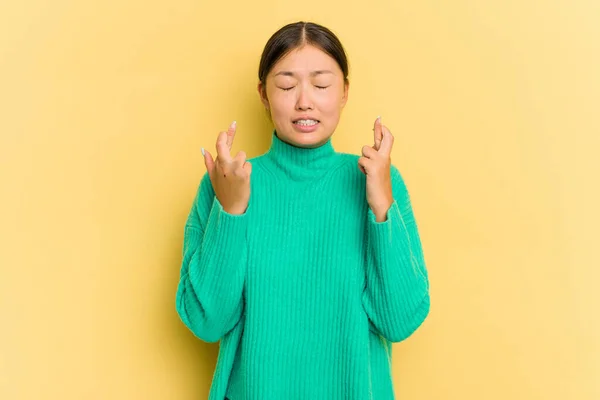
(299, 163)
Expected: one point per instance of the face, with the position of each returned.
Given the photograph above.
(305, 84)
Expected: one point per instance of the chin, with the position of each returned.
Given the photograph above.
(315, 138)
(308, 139)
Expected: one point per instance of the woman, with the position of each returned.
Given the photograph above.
(306, 263)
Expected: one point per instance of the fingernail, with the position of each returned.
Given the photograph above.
(379, 118)
(203, 152)
(233, 124)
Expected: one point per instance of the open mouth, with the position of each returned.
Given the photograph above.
(306, 122)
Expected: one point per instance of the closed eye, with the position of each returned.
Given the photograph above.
(290, 88)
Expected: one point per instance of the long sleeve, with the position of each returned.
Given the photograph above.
(213, 271)
(396, 296)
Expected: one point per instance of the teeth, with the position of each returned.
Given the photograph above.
(306, 122)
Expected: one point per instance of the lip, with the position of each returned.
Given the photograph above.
(306, 129)
(305, 117)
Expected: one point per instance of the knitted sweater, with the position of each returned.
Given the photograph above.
(305, 291)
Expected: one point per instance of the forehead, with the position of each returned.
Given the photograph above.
(308, 60)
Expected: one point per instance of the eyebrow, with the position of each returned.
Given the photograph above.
(313, 73)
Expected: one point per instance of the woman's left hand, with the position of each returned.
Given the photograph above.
(375, 163)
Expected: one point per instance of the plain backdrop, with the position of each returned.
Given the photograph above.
(104, 106)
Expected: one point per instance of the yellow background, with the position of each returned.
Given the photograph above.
(104, 107)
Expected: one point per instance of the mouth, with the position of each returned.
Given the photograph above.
(306, 122)
(306, 125)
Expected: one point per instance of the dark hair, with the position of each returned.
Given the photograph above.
(298, 34)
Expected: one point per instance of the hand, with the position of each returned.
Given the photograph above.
(375, 164)
(230, 177)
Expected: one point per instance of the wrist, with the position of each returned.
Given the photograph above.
(380, 217)
(236, 210)
(381, 212)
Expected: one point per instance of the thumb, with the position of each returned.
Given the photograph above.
(377, 133)
(208, 162)
(248, 167)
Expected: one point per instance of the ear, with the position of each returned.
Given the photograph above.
(262, 92)
(345, 96)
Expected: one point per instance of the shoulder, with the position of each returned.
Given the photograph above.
(348, 157)
(348, 163)
(261, 165)
(258, 160)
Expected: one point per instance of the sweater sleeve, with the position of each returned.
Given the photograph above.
(396, 296)
(213, 271)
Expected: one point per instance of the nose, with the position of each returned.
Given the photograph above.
(303, 102)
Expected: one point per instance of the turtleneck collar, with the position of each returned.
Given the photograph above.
(298, 163)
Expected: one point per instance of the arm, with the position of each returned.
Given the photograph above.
(396, 297)
(209, 295)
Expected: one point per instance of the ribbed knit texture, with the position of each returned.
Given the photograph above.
(305, 291)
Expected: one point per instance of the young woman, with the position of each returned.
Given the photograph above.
(305, 262)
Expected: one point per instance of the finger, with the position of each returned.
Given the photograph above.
(387, 142)
(222, 148)
(361, 169)
(363, 164)
(240, 158)
(377, 133)
(241, 155)
(369, 152)
(209, 162)
(231, 134)
(248, 167)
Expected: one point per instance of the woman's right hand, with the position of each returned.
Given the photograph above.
(230, 177)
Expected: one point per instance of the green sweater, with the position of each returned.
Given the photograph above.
(306, 291)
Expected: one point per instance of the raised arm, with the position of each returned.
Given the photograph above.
(210, 291)
(396, 297)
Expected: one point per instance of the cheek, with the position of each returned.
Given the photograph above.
(280, 101)
(330, 105)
